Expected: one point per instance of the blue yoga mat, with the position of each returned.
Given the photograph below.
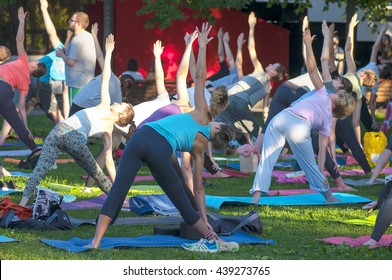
(4, 239)
(4, 193)
(76, 244)
(291, 200)
(20, 173)
(234, 165)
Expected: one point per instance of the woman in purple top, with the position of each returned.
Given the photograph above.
(294, 125)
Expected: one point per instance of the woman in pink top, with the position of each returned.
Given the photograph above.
(16, 75)
(294, 125)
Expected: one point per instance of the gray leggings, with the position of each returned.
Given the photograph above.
(384, 217)
(8, 111)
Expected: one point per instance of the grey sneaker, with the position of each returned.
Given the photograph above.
(212, 246)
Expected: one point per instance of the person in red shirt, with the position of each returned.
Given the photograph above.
(16, 75)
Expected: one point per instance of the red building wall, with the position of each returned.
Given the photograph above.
(133, 40)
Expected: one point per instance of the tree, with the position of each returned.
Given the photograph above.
(164, 11)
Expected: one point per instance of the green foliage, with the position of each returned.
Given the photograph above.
(163, 12)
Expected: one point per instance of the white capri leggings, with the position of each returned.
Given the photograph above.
(296, 131)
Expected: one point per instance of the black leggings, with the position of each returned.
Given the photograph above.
(345, 135)
(223, 71)
(366, 118)
(8, 111)
(148, 146)
(384, 217)
(74, 108)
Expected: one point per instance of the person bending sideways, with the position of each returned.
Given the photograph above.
(294, 125)
(154, 143)
(70, 135)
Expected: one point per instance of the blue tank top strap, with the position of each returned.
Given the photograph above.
(180, 131)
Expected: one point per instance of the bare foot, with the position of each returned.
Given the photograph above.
(220, 174)
(371, 243)
(370, 206)
(92, 245)
(4, 172)
(87, 190)
(256, 197)
(329, 198)
(342, 187)
(346, 188)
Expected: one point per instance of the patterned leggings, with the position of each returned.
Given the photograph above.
(388, 118)
(65, 138)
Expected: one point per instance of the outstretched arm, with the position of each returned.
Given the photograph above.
(238, 61)
(332, 66)
(20, 35)
(229, 54)
(192, 65)
(182, 71)
(200, 100)
(349, 47)
(311, 61)
(221, 52)
(305, 25)
(325, 53)
(98, 50)
(159, 74)
(376, 45)
(50, 29)
(106, 72)
(252, 20)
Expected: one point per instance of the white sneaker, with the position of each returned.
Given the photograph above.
(54, 166)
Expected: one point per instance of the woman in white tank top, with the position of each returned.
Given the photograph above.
(71, 135)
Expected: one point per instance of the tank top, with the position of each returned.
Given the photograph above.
(87, 122)
(180, 131)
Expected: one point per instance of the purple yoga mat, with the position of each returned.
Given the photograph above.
(95, 202)
(354, 242)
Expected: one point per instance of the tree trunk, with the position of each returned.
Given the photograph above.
(107, 19)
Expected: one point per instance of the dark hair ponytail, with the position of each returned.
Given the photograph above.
(131, 130)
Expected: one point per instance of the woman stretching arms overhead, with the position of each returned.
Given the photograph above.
(70, 135)
(154, 143)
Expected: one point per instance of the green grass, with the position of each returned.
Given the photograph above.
(294, 229)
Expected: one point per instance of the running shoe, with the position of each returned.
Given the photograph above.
(212, 246)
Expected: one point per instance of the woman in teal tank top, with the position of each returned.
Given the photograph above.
(154, 145)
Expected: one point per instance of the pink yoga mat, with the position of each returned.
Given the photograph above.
(355, 242)
(280, 175)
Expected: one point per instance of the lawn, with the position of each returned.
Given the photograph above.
(296, 230)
